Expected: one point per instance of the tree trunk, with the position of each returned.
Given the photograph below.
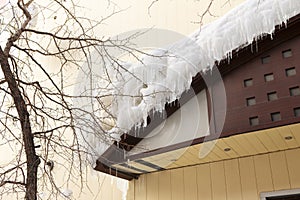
(32, 159)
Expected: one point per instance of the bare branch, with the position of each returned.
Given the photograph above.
(149, 7)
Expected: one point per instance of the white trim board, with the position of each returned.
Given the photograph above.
(264, 195)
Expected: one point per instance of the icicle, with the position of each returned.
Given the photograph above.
(215, 42)
(128, 161)
(256, 45)
(123, 186)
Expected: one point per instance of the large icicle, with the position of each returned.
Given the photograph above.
(164, 77)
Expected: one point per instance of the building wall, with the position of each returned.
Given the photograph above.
(174, 15)
(88, 185)
(242, 178)
(271, 62)
(178, 16)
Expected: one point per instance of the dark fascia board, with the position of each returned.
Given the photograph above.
(115, 153)
(114, 172)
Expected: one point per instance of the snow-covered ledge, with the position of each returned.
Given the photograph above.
(164, 77)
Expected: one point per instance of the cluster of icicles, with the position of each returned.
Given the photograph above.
(165, 74)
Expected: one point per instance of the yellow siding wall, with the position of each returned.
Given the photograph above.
(241, 178)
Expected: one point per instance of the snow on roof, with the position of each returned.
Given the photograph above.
(164, 77)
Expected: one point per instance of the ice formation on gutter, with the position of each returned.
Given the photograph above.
(164, 77)
(123, 186)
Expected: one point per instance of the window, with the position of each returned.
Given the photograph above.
(285, 197)
(251, 101)
(248, 82)
(290, 71)
(287, 53)
(275, 116)
(269, 77)
(297, 112)
(294, 91)
(293, 194)
(272, 96)
(265, 59)
(253, 121)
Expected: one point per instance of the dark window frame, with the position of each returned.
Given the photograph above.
(254, 121)
(276, 116)
(285, 197)
(265, 59)
(296, 112)
(272, 96)
(248, 82)
(287, 53)
(293, 194)
(250, 101)
(290, 69)
(269, 75)
(294, 91)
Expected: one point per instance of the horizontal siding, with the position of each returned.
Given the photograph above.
(238, 178)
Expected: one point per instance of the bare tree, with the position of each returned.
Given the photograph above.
(39, 113)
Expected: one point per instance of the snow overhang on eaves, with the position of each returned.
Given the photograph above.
(115, 153)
